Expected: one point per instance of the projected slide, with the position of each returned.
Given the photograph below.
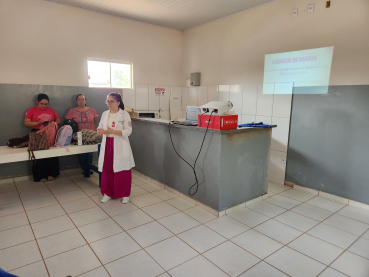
(305, 68)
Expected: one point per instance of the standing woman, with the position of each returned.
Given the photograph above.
(44, 169)
(86, 117)
(116, 159)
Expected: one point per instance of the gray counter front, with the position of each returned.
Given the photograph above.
(232, 167)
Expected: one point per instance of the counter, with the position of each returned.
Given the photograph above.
(232, 167)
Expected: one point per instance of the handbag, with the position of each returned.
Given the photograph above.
(18, 142)
(37, 141)
(51, 129)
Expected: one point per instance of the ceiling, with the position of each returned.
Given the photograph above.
(174, 14)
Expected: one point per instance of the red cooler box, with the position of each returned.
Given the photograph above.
(218, 122)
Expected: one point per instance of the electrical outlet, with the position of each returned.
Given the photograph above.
(328, 4)
(310, 8)
(294, 12)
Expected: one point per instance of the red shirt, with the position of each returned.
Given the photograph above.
(36, 114)
(85, 120)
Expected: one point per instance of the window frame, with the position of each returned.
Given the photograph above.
(110, 61)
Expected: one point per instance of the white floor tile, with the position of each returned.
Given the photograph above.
(12, 221)
(145, 200)
(267, 209)
(139, 181)
(283, 201)
(329, 272)
(132, 219)
(116, 208)
(88, 216)
(92, 191)
(70, 196)
(33, 194)
(257, 243)
(73, 263)
(150, 187)
(37, 269)
(263, 270)
(45, 213)
(29, 185)
(164, 194)
(9, 197)
(16, 236)
(9, 209)
(52, 226)
(199, 214)
(295, 264)
(361, 248)
(297, 195)
(98, 272)
(325, 204)
(278, 231)
(137, 191)
(312, 212)
(277, 188)
(366, 235)
(231, 258)
(38, 203)
(61, 188)
(7, 187)
(82, 182)
(149, 234)
(248, 217)
(297, 221)
(171, 253)
(100, 229)
(355, 213)
(227, 226)
(180, 203)
(160, 210)
(19, 255)
(78, 205)
(61, 242)
(114, 247)
(201, 238)
(333, 235)
(317, 249)
(138, 264)
(352, 265)
(198, 267)
(347, 224)
(178, 223)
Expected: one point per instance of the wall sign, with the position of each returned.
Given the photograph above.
(159, 91)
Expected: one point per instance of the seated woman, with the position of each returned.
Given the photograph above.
(86, 117)
(44, 169)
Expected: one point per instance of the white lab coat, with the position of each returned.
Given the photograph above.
(123, 157)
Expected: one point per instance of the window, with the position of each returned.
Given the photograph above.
(109, 74)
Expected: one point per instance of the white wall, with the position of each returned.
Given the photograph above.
(231, 50)
(47, 43)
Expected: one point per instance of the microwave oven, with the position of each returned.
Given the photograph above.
(146, 114)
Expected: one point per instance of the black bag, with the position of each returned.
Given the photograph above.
(73, 124)
(19, 142)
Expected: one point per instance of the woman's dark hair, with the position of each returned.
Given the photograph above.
(117, 98)
(83, 96)
(42, 96)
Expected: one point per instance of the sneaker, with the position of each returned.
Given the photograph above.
(125, 200)
(105, 199)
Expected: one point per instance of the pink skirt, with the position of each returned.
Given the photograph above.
(114, 184)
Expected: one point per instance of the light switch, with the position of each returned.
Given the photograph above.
(294, 12)
(310, 8)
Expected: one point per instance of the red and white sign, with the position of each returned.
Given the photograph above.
(218, 122)
(159, 91)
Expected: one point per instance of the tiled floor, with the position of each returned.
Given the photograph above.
(60, 228)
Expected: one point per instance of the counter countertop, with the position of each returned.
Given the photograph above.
(166, 122)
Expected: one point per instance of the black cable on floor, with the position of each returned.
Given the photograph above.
(194, 165)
